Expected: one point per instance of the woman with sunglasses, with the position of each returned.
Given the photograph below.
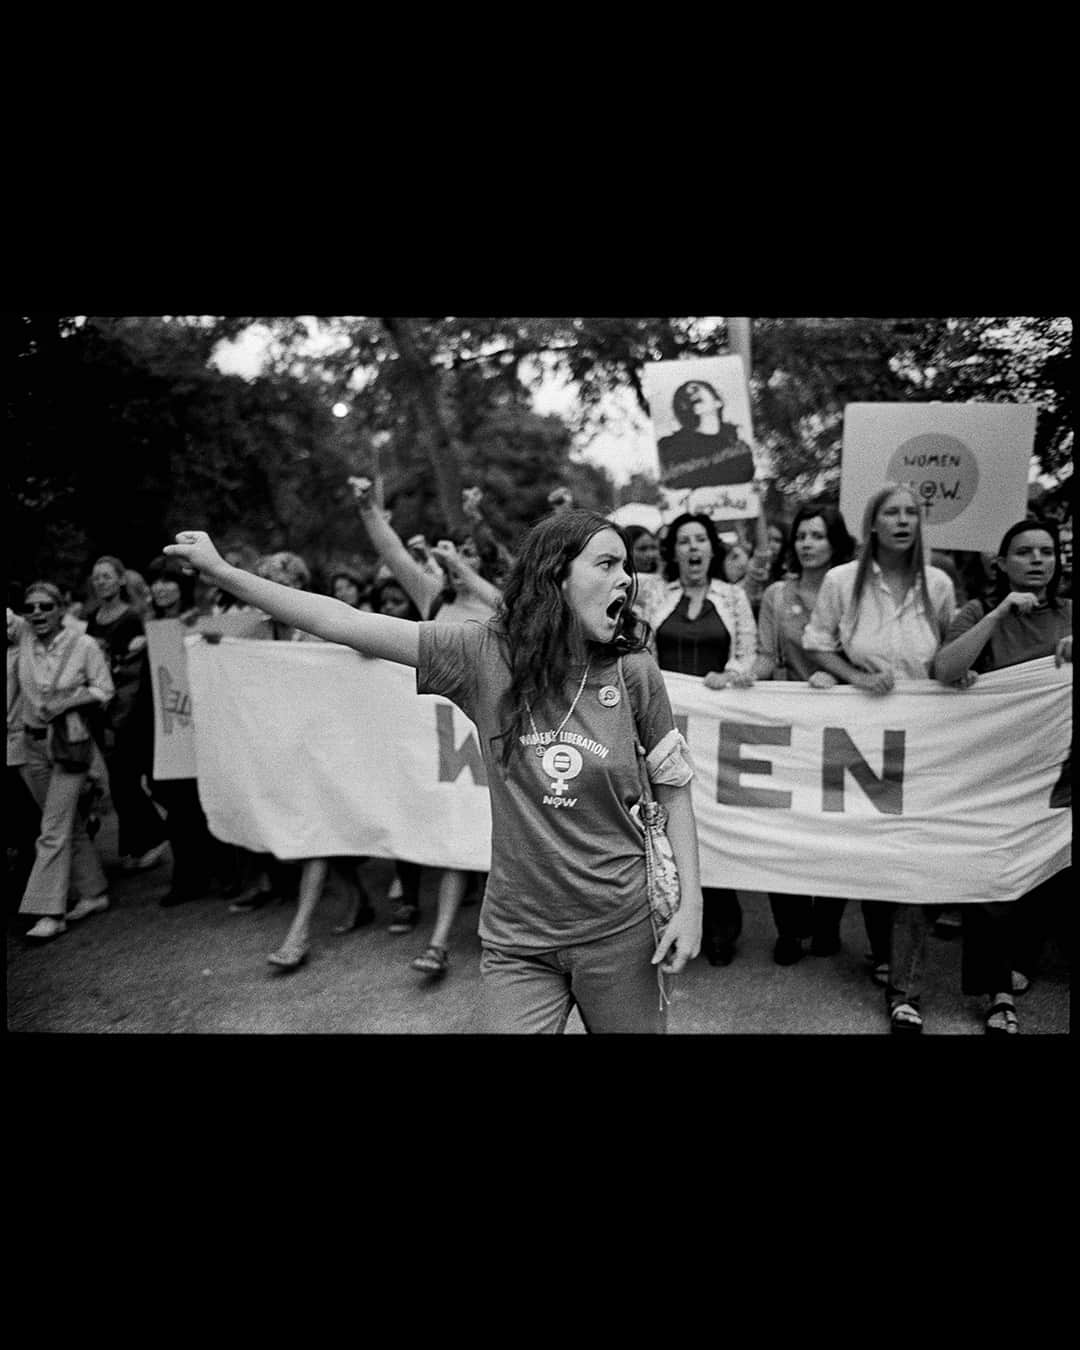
(61, 674)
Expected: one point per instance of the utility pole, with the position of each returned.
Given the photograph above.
(739, 342)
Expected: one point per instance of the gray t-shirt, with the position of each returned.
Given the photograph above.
(567, 858)
(1018, 637)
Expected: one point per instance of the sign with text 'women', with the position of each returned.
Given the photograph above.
(968, 463)
(925, 795)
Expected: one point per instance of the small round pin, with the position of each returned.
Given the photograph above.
(609, 696)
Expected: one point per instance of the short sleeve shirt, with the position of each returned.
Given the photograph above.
(781, 626)
(567, 856)
(1018, 637)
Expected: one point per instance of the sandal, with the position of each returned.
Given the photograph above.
(363, 915)
(404, 919)
(435, 961)
(1001, 1019)
(250, 902)
(289, 955)
(880, 973)
(905, 1020)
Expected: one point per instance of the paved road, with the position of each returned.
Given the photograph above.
(198, 968)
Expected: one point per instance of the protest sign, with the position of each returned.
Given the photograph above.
(174, 740)
(309, 750)
(700, 411)
(968, 463)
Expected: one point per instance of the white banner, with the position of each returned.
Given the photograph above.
(928, 794)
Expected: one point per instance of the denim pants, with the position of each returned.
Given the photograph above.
(910, 929)
(65, 855)
(611, 981)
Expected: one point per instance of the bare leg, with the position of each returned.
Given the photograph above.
(451, 889)
(294, 949)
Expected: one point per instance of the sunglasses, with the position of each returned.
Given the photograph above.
(39, 606)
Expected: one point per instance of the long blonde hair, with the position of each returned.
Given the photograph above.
(916, 565)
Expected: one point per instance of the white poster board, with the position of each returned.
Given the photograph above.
(968, 463)
(700, 411)
(174, 732)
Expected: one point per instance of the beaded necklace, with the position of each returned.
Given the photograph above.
(540, 749)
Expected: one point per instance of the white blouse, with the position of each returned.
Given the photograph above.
(903, 637)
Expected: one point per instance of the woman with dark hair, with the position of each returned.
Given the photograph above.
(877, 620)
(561, 690)
(1002, 941)
(703, 626)
(118, 630)
(347, 587)
(61, 675)
(820, 540)
(768, 562)
(706, 451)
(644, 549)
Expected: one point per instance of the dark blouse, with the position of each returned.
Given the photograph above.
(693, 646)
(115, 638)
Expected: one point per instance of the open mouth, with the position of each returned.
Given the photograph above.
(616, 608)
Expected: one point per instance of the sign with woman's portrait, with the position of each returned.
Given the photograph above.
(700, 412)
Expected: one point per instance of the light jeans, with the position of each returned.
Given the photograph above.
(66, 858)
(611, 981)
(910, 929)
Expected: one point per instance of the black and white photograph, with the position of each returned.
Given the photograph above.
(468, 677)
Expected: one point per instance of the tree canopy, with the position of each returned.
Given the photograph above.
(122, 429)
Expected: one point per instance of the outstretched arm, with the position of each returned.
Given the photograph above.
(333, 620)
(420, 586)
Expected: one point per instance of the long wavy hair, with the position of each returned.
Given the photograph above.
(916, 561)
(540, 627)
(667, 547)
(1001, 581)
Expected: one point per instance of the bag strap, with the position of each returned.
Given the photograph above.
(639, 749)
(62, 668)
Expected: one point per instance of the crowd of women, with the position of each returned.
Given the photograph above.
(573, 630)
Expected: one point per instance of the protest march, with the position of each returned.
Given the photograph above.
(826, 660)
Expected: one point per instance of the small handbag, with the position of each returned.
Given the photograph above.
(70, 745)
(661, 871)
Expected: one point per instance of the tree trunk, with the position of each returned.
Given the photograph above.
(443, 450)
